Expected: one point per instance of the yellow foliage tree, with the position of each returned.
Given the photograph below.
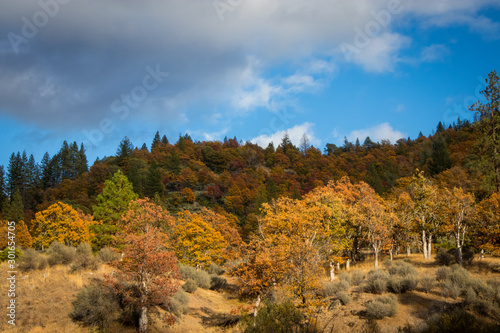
(62, 223)
(196, 242)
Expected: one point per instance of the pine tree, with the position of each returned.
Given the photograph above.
(14, 211)
(3, 189)
(154, 183)
(81, 161)
(440, 128)
(124, 151)
(489, 127)
(304, 143)
(144, 147)
(14, 173)
(164, 140)
(440, 156)
(156, 141)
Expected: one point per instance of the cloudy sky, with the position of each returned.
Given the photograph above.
(96, 71)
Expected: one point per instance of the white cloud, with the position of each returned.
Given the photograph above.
(382, 52)
(434, 52)
(377, 133)
(295, 134)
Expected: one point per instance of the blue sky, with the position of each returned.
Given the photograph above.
(95, 72)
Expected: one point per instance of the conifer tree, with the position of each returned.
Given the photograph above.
(440, 156)
(164, 139)
(81, 161)
(156, 140)
(124, 151)
(489, 127)
(14, 210)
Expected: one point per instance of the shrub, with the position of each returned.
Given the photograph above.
(344, 276)
(460, 321)
(377, 281)
(84, 259)
(178, 303)
(450, 289)
(344, 297)
(382, 307)
(32, 260)
(445, 257)
(95, 307)
(357, 277)
(331, 288)
(443, 273)
(190, 286)
(402, 268)
(201, 277)
(427, 283)
(60, 254)
(216, 269)
(459, 275)
(217, 283)
(106, 254)
(6, 254)
(399, 285)
(278, 317)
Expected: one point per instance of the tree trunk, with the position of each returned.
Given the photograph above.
(332, 271)
(460, 260)
(376, 257)
(143, 321)
(408, 250)
(338, 266)
(390, 253)
(348, 264)
(257, 303)
(429, 244)
(482, 254)
(424, 244)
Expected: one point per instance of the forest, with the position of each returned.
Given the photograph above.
(285, 225)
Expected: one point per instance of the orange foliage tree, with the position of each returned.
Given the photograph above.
(62, 223)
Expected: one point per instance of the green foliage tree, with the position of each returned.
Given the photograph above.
(489, 127)
(14, 210)
(112, 203)
(440, 156)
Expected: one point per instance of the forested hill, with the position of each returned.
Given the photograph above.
(238, 177)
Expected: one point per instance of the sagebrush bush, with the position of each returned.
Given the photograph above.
(450, 289)
(383, 306)
(60, 254)
(377, 281)
(344, 297)
(201, 277)
(402, 268)
(459, 275)
(278, 317)
(32, 260)
(95, 307)
(443, 273)
(178, 303)
(427, 283)
(331, 288)
(357, 277)
(460, 321)
(400, 284)
(217, 283)
(344, 276)
(106, 254)
(216, 269)
(84, 259)
(190, 286)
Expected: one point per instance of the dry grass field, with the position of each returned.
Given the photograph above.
(44, 297)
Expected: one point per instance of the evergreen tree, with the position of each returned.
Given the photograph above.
(373, 178)
(14, 211)
(357, 144)
(156, 141)
(154, 183)
(286, 143)
(112, 203)
(81, 161)
(368, 144)
(174, 163)
(67, 161)
(144, 147)
(440, 128)
(164, 139)
(304, 143)
(124, 151)
(489, 127)
(3, 189)
(440, 156)
(14, 174)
